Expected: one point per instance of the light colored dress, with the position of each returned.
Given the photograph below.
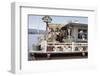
(44, 45)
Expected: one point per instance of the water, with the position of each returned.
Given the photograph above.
(32, 39)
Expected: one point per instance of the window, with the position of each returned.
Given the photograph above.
(82, 34)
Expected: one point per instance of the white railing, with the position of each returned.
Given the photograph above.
(80, 47)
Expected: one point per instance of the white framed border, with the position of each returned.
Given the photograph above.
(18, 61)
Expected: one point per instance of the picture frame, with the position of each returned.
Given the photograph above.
(25, 60)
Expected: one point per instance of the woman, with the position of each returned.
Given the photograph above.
(43, 44)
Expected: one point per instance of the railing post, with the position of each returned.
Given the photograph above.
(73, 46)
